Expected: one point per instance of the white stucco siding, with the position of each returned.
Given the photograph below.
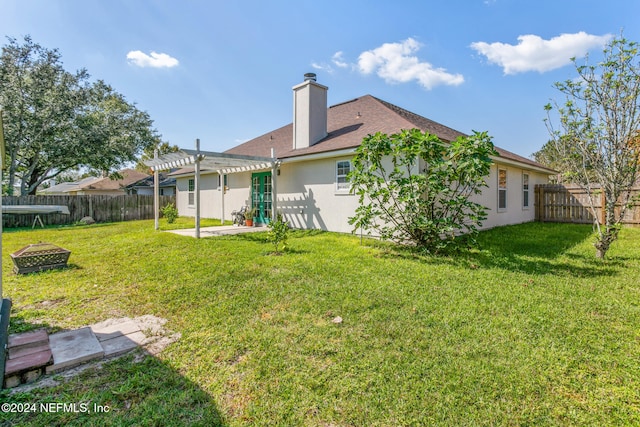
(515, 211)
(209, 197)
(308, 198)
(238, 194)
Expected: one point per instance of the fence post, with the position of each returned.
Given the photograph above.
(539, 190)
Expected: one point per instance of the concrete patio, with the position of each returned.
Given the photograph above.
(223, 230)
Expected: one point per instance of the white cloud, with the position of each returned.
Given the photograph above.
(532, 53)
(322, 67)
(155, 60)
(395, 63)
(338, 60)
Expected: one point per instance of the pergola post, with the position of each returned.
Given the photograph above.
(223, 178)
(197, 188)
(156, 193)
(274, 187)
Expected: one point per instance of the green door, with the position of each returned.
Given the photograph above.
(261, 196)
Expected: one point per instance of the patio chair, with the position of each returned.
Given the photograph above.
(238, 216)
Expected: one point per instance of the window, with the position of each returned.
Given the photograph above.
(192, 195)
(343, 167)
(525, 191)
(502, 190)
(226, 183)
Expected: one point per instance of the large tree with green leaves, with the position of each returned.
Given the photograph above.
(149, 153)
(56, 121)
(414, 187)
(599, 125)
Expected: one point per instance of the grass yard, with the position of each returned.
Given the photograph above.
(529, 329)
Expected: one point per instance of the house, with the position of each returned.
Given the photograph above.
(66, 188)
(302, 167)
(97, 186)
(144, 187)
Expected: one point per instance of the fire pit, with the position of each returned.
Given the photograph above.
(39, 257)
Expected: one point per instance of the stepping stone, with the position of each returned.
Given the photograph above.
(25, 350)
(118, 338)
(26, 363)
(122, 344)
(114, 330)
(72, 348)
(26, 339)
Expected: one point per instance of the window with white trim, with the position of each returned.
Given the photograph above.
(192, 194)
(343, 167)
(502, 190)
(525, 191)
(226, 182)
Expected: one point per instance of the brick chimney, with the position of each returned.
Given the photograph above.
(309, 112)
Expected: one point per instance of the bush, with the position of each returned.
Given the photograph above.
(414, 187)
(278, 231)
(170, 212)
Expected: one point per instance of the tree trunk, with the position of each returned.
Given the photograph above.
(605, 239)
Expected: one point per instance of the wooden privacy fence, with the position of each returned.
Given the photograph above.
(100, 208)
(570, 203)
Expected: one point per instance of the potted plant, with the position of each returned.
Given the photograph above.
(248, 217)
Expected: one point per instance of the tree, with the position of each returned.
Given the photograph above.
(413, 187)
(163, 147)
(56, 121)
(558, 155)
(600, 121)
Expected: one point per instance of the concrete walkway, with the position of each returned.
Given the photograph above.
(223, 230)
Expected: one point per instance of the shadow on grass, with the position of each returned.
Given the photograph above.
(261, 236)
(533, 248)
(134, 389)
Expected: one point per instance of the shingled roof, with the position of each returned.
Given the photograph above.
(348, 123)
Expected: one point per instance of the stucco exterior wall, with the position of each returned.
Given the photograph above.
(308, 198)
(515, 212)
(208, 196)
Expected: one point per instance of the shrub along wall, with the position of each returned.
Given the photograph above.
(100, 208)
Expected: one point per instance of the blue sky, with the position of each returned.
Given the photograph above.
(222, 71)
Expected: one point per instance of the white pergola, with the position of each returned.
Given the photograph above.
(222, 163)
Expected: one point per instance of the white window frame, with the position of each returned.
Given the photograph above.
(191, 195)
(502, 189)
(226, 182)
(342, 187)
(526, 190)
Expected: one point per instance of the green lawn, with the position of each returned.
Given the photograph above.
(529, 329)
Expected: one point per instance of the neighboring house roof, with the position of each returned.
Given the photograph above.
(147, 181)
(348, 123)
(65, 187)
(129, 176)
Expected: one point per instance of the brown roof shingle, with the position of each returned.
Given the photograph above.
(351, 121)
(129, 176)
